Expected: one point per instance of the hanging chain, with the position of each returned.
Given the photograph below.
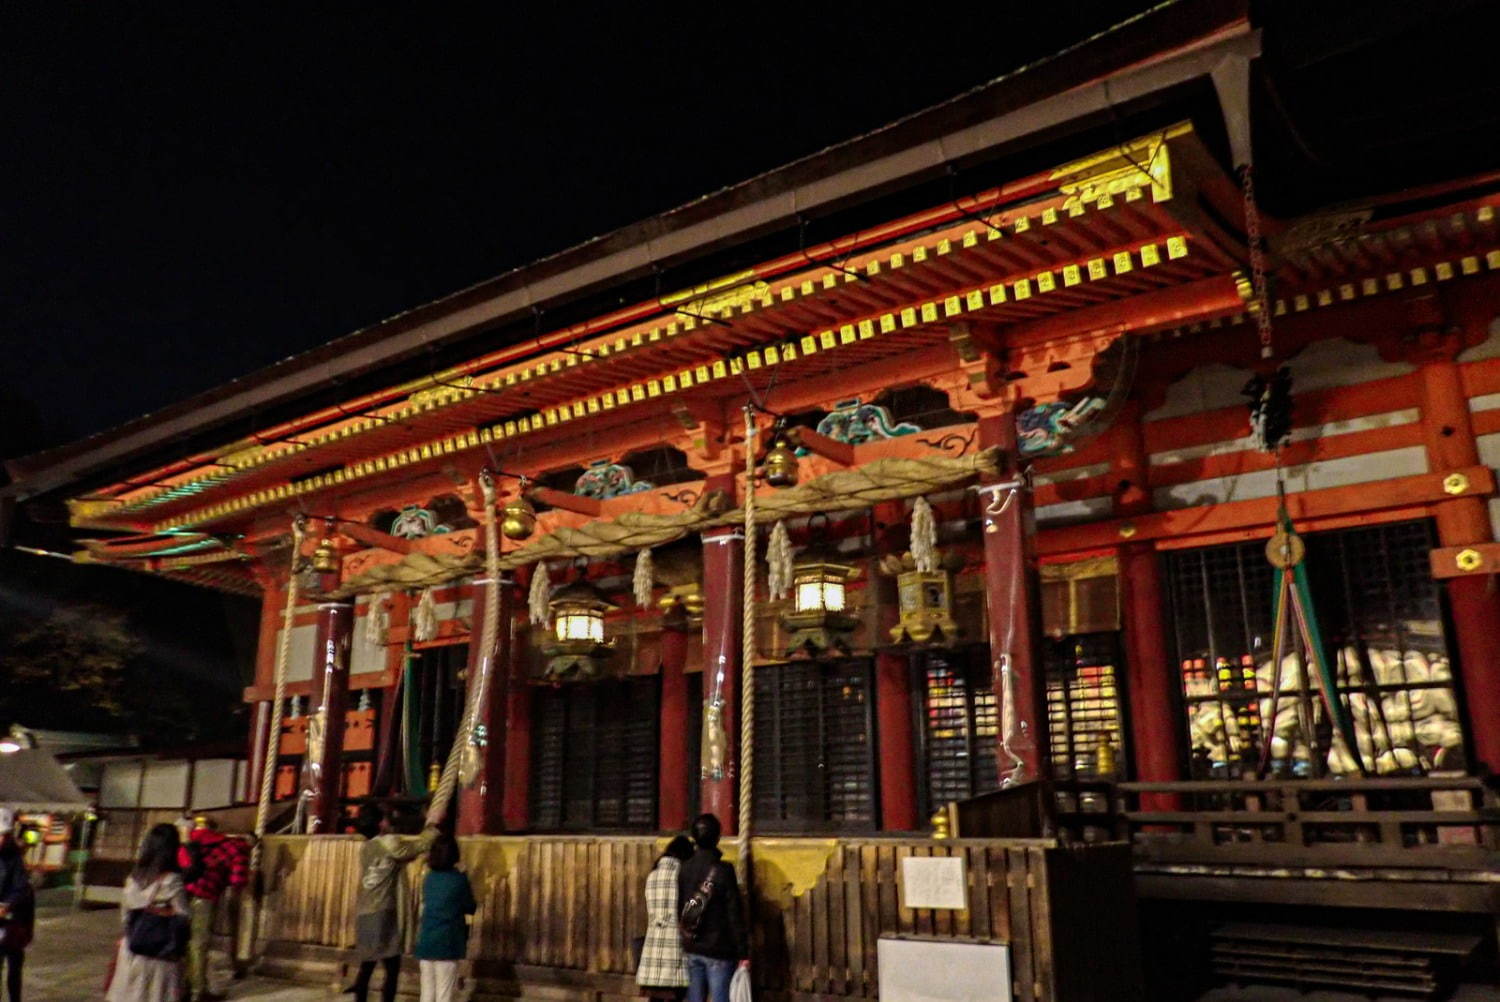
(1261, 304)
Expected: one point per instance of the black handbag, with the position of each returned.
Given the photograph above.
(157, 931)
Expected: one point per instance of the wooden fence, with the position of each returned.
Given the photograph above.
(562, 912)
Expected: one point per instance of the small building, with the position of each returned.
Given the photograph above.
(993, 360)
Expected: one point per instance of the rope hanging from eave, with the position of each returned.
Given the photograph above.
(278, 699)
(464, 745)
(747, 663)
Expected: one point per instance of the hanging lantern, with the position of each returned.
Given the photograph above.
(517, 518)
(577, 648)
(819, 621)
(781, 464)
(925, 599)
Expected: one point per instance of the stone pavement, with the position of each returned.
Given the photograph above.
(71, 953)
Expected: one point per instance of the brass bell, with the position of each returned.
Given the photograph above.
(325, 559)
(781, 465)
(517, 518)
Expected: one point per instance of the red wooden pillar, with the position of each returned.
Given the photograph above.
(516, 794)
(272, 609)
(722, 593)
(1473, 600)
(1155, 729)
(481, 803)
(893, 711)
(1011, 596)
(335, 628)
(260, 728)
(675, 771)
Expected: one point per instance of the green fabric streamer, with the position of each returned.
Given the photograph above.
(411, 731)
(1336, 707)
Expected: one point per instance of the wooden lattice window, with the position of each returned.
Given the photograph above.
(1381, 616)
(814, 746)
(1084, 700)
(956, 725)
(595, 756)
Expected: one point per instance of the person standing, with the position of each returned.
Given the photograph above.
(17, 913)
(377, 920)
(443, 936)
(211, 864)
(712, 916)
(155, 885)
(661, 972)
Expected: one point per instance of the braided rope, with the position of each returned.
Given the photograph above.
(273, 733)
(478, 687)
(747, 663)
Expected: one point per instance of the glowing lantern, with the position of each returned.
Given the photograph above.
(578, 649)
(819, 623)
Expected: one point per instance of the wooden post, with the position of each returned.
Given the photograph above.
(722, 551)
(893, 711)
(1011, 595)
(1473, 599)
(260, 726)
(1155, 729)
(516, 792)
(481, 804)
(676, 772)
(335, 628)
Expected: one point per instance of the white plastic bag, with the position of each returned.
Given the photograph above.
(739, 985)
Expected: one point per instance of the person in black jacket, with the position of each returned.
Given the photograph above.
(713, 934)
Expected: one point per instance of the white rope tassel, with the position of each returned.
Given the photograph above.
(377, 623)
(644, 579)
(779, 563)
(541, 595)
(923, 536)
(424, 624)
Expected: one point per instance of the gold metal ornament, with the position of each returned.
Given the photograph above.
(781, 464)
(1285, 549)
(517, 518)
(1127, 530)
(325, 559)
(1455, 483)
(1469, 560)
(941, 827)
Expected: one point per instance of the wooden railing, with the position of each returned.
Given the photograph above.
(1408, 822)
(563, 911)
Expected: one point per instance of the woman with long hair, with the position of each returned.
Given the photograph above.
(443, 936)
(17, 912)
(661, 972)
(154, 888)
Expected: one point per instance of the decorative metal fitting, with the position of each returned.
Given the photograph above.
(1127, 530)
(1469, 560)
(1455, 483)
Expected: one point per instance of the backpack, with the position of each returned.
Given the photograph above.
(690, 919)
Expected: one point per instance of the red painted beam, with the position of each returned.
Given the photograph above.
(362, 533)
(553, 498)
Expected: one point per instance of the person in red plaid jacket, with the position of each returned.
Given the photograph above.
(211, 864)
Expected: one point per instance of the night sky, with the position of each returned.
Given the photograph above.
(186, 200)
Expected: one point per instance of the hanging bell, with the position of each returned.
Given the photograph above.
(325, 559)
(781, 465)
(517, 518)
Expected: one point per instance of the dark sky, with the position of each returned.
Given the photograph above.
(187, 198)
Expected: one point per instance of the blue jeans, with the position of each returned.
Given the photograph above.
(708, 978)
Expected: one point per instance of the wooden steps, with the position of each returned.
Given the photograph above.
(1420, 964)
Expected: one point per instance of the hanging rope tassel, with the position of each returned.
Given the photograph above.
(779, 563)
(644, 579)
(478, 688)
(747, 667)
(424, 620)
(377, 623)
(923, 536)
(541, 594)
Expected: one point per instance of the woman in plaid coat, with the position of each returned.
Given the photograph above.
(661, 972)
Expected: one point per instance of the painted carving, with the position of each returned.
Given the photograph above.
(1044, 429)
(604, 479)
(415, 523)
(857, 423)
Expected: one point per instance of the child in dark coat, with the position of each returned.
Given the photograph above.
(443, 937)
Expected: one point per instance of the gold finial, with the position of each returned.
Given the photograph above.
(940, 827)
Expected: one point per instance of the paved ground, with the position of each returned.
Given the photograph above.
(71, 953)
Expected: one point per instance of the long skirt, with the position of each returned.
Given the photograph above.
(143, 979)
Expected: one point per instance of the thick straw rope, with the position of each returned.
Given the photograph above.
(747, 663)
(273, 733)
(478, 687)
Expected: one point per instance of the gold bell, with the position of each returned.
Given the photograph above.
(325, 559)
(517, 518)
(781, 465)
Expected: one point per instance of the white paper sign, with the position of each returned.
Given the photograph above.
(927, 971)
(935, 882)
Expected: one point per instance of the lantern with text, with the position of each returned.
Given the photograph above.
(819, 622)
(577, 649)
